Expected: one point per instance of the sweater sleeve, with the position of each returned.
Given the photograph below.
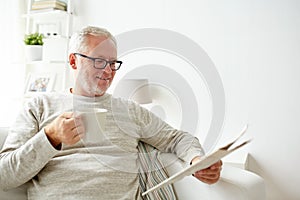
(162, 136)
(26, 150)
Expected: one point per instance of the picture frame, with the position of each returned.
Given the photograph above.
(40, 82)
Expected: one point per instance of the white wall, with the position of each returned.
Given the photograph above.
(256, 48)
(11, 58)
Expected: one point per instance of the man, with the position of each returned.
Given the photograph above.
(46, 148)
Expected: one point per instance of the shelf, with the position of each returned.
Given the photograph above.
(56, 25)
(47, 13)
(39, 62)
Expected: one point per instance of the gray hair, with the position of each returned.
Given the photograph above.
(78, 41)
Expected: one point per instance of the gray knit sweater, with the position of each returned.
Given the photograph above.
(105, 169)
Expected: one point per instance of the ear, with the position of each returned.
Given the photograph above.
(72, 61)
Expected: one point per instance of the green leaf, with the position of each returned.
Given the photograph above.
(33, 42)
(34, 39)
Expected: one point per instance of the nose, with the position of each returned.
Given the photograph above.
(107, 68)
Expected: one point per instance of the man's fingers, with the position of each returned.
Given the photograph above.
(67, 115)
(207, 175)
(77, 137)
(209, 171)
(74, 128)
(208, 178)
(73, 137)
(211, 174)
(72, 122)
(78, 130)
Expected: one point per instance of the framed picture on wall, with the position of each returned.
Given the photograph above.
(40, 82)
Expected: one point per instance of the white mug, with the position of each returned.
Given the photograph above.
(94, 120)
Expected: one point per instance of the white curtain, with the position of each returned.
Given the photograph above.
(12, 58)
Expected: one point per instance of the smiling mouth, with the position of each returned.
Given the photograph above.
(105, 79)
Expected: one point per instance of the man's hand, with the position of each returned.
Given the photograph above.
(66, 128)
(209, 175)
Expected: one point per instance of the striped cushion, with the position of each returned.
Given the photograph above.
(153, 172)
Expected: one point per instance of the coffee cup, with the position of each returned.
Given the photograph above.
(94, 120)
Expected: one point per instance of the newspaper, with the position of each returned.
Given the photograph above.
(203, 163)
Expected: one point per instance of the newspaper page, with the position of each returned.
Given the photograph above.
(203, 163)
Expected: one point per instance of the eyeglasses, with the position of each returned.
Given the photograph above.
(100, 63)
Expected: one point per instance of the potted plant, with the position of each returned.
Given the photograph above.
(34, 46)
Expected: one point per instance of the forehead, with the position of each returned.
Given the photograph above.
(101, 46)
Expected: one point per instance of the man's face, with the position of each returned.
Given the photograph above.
(89, 80)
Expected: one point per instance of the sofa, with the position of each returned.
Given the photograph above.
(235, 184)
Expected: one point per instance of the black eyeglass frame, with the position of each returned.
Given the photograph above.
(101, 59)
